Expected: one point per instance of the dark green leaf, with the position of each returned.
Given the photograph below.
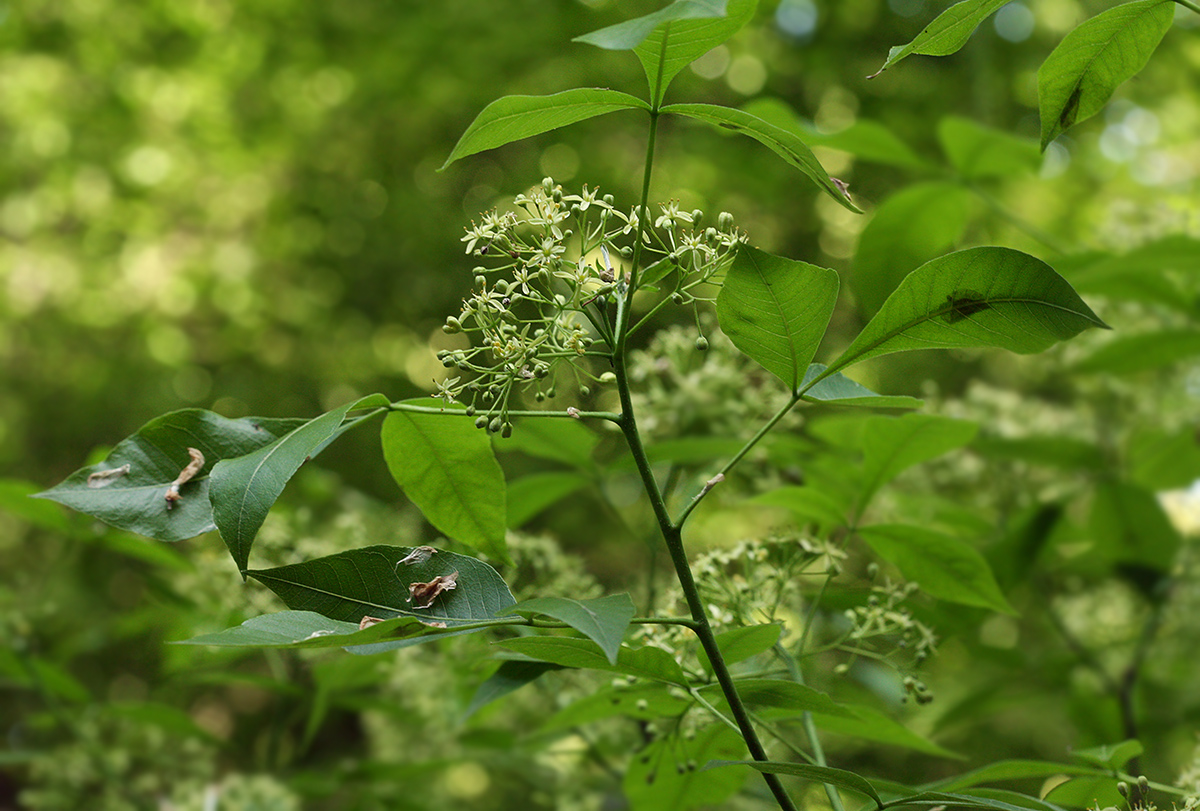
(664, 775)
(776, 310)
(514, 118)
(837, 389)
(305, 629)
(136, 501)
(945, 567)
(1139, 353)
(1080, 75)
(509, 677)
(604, 620)
(781, 694)
(1163, 460)
(739, 644)
(782, 142)
(530, 495)
(645, 701)
(373, 582)
(980, 297)
(979, 152)
(446, 467)
(244, 488)
(1139, 274)
(940, 798)
(908, 229)
(648, 662)
(820, 774)
(948, 32)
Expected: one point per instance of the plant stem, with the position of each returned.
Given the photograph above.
(458, 412)
(1188, 4)
(810, 728)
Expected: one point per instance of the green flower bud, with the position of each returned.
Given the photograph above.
(725, 221)
(481, 422)
(506, 430)
(697, 217)
(608, 377)
(494, 425)
(470, 411)
(701, 344)
(452, 326)
(584, 391)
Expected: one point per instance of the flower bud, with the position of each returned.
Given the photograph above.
(452, 326)
(584, 391)
(701, 344)
(626, 251)
(608, 377)
(697, 216)
(494, 425)
(470, 411)
(506, 430)
(481, 422)
(725, 221)
(547, 184)
(481, 281)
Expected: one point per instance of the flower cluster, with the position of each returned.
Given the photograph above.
(884, 616)
(544, 303)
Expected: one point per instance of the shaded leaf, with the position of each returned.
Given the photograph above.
(509, 677)
(530, 495)
(648, 662)
(776, 310)
(692, 450)
(893, 444)
(782, 142)
(979, 152)
(1080, 75)
(447, 468)
(806, 502)
(948, 32)
(644, 701)
(306, 629)
(135, 501)
(945, 567)
(780, 694)
(1087, 792)
(738, 644)
(244, 488)
(837, 389)
(1138, 275)
(1162, 460)
(1130, 525)
(514, 118)
(820, 774)
(664, 775)
(1139, 353)
(872, 725)
(980, 297)
(1052, 451)
(1110, 756)
(558, 440)
(604, 620)
(371, 582)
(940, 798)
(1008, 770)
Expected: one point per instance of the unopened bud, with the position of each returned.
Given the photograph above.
(481, 422)
(452, 326)
(608, 377)
(494, 425)
(506, 430)
(701, 344)
(725, 221)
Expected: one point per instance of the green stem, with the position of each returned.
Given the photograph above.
(1188, 4)
(458, 412)
(810, 728)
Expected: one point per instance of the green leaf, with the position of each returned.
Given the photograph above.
(780, 694)
(628, 35)
(692, 450)
(648, 662)
(1129, 525)
(945, 567)
(1111, 756)
(659, 778)
(1052, 451)
(738, 644)
(305, 629)
(509, 677)
(156, 454)
(940, 798)
(872, 725)
(558, 440)
(1140, 353)
(1139, 274)
(820, 774)
(1087, 792)
(1163, 460)
(893, 444)
(837, 389)
(1081, 74)
(978, 152)
(645, 701)
(514, 118)
(530, 495)
(447, 468)
(864, 139)
(980, 297)
(1008, 770)
(604, 620)
(373, 582)
(782, 142)
(244, 488)
(948, 32)
(776, 310)
(908, 229)
(806, 502)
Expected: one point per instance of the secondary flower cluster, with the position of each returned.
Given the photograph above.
(545, 300)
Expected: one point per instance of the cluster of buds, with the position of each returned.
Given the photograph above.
(884, 617)
(556, 264)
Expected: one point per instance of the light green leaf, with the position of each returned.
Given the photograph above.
(1129, 525)
(136, 500)
(648, 662)
(1139, 353)
(908, 229)
(655, 781)
(305, 629)
(871, 725)
(604, 620)
(514, 118)
(1008, 770)
(1163, 460)
(628, 35)
(447, 468)
(948, 32)
(893, 444)
(945, 567)
(529, 495)
(558, 440)
(806, 502)
(738, 644)
(1081, 74)
(780, 694)
(1052, 451)
(643, 700)
(837, 389)
(374, 582)
(1087, 792)
(980, 297)
(941, 799)
(244, 488)
(782, 142)
(776, 310)
(1139, 274)
(820, 774)
(980, 152)
(1111, 756)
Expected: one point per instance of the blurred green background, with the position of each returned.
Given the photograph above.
(236, 206)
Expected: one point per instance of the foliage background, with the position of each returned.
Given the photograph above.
(235, 206)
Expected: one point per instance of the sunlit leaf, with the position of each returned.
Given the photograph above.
(837, 389)
(980, 297)
(135, 500)
(514, 118)
(446, 467)
(244, 488)
(948, 32)
(1080, 75)
(784, 143)
(604, 620)
(776, 310)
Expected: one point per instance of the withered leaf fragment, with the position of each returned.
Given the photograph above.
(103, 478)
(184, 476)
(419, 554)
(367, 622)
(422, 595)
